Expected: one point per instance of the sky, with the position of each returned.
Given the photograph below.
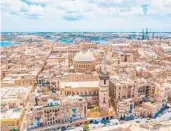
(85, 15)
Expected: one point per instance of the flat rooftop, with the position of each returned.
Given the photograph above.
(150, 104)
(10, 79)
(167, 85)
(12, 92)
(14, 113)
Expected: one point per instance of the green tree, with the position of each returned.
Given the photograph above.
(14, 130)
(85, 127)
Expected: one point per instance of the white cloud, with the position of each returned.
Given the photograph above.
(88, 8)
(158, 7)
(35, 10)
(13, 5)
(92, 12)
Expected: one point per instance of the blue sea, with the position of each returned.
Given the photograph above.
(8, 43)
(64, 41)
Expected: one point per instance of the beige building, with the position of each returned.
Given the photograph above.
(20, 79)
(125, 108)
(87, 89)
(55, 113)
(13, 102)
(136, 90)
(147, 109)
(82, 77)
(131, 90)
(11, 119)
(86, 46)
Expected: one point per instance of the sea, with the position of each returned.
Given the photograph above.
(64, 41)
(8, 43)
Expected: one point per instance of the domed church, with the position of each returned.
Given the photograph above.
(84, 61)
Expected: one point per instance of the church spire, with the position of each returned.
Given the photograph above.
(104, 68)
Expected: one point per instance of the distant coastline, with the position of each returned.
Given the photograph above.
(7, 38)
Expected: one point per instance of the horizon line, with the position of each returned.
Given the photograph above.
(83, 32)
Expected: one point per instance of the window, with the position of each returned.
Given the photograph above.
(104, 101)
(105, 82)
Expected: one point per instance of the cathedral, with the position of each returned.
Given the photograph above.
(96, 92)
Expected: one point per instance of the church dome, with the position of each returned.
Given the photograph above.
(84, 56)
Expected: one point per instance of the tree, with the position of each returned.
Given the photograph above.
(4, 105)
(14, 129)
(85, 127)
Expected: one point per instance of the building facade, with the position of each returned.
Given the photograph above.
(56, 112)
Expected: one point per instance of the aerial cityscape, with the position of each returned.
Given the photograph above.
(65, 67)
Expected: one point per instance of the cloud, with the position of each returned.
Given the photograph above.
(88, 8)
(20, 8)
(13, 5)
(158, 7)
(93, 12)
(34, 10)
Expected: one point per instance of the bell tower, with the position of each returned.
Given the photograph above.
(104, 88)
